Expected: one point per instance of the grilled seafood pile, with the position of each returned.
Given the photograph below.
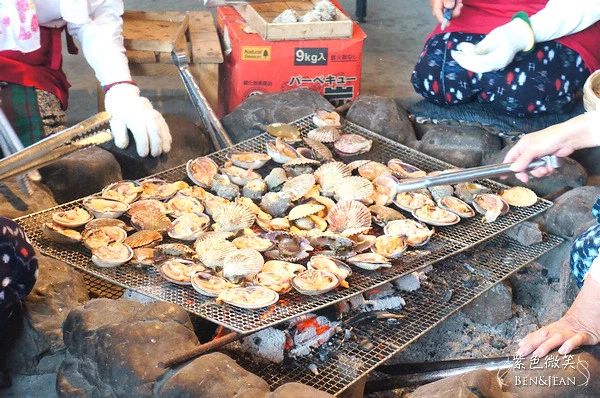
(293, 217)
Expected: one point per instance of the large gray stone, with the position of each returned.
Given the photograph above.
(478, 383)
(114, 347)
(295, 390)
(462, 146)
(189, 141)
(570, 211)
(39, 346)
(383, 116)
(493, 307)
(526, 233)
(81, 173)
(250, 118)
(213, 375)
(15, 203)
(570, 175)
(588, 158)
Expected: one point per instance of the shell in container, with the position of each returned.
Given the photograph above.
(123, 191)
(182, 204)
(415, 233)
(249, 297)
(313, 282)
(389, 246)
(490, 205)
(209, 285)
(337, 267)
(105, 208)
(411, 201)
(73, 218)
(278, 282)
(202, 171)
(433, 215)
(188, 227)
(112, 255)
(242, 264)
(179, 271)
(102, 236)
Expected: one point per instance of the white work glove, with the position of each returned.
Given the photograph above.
(497, 49)
(130, 111)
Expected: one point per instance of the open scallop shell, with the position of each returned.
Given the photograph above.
(323, 118)
(73, 218)
(490, 205)
(319, 149)
(143, 257)
(123, 191)
(224, 188)
(189, 226)
(305, 210)
(329, 174)
(201, 171)
(249, 297)
(385, 189)
(456, 206)
(519, 196)
(299, 186)
(238, 175)
(209, 285)
(105, 208)
(441, 191)
(147, 204)
(276, 203)
(112, 255)
(278, 282)
(337, 267)
(352, 144)
(253, 242)
(255, 189)
(389, 246)
(405, 170)
(276, 178)
(280, 151)
(313, 282)
(353, 188)
(383, 214)
(143, 238)
(107, 222)
(249, 160)
(212, 252)
(325, 134)
(410, 201)
(179, 271)
(363, 242)
(150, 219)
(433, 215)
(371, 170)
(288, 247)
(301, 165)
(349, 217)
(59, 234)
(287, 132)
(415, 233)
(155, 188)
(182, 204)
(468, 190)
(242, 264)
(370, 261)
(102, 236)
(233, 217)
(283, 267)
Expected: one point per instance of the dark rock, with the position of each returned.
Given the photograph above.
(249, 119)
(14, 203)
(189, 141)
(462, 146)
(114, 347)
(214, 375)
(588, 158)
(81, 173)
(492, 307)
(571, 211)
(295, 390)
(478, 383)
(383, 116)
(570, 175)
(39, 346)
(526, 233)
(576, 381)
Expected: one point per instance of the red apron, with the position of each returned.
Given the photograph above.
(481, 16)
(41, 68)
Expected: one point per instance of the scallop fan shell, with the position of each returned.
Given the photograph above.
(519, 196)
(325, 134)
(242, 264)
(212, 252)
(349, 217)
(304, 210)
(201, 171)
(233, 217)
(329, 174)
(353, 188)
(319, 149)
(299, 186)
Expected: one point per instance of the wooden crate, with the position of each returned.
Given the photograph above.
(260, 17)
(149, 38)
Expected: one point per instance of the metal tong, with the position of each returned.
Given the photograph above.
(82, 135)
(472, 174)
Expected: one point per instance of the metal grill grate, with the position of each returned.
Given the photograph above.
(467, 275)
(449, 241)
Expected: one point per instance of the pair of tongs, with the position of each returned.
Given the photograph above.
(92, 131)
(472, 174)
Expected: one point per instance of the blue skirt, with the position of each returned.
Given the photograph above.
(586, 248)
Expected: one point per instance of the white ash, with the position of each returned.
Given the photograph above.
(287, 16)
(387, 303)
(408, 283)
(267, 343)
(382, 291)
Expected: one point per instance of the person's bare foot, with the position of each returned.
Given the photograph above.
(579, 326)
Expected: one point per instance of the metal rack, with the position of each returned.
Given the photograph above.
(448, 241)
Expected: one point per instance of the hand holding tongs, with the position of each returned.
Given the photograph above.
(79, 136)
(472, 174)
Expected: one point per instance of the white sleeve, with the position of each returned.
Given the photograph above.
(564, 17)
(594, 271)
(101, 40)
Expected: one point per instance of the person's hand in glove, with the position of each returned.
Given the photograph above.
(130, 111)
(559, 18)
